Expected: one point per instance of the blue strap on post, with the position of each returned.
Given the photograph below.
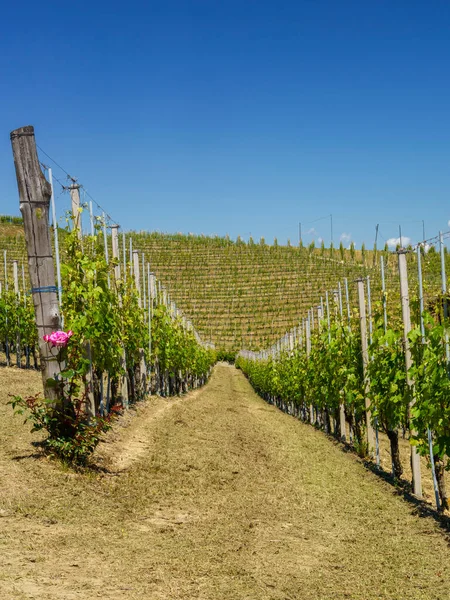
(48, 288)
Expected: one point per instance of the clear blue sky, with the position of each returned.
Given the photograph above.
(238, 116)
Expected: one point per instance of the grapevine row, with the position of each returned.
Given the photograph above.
(355, 372)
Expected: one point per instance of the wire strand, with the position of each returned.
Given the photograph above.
(110, 219)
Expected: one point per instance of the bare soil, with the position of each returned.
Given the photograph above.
(212, 496)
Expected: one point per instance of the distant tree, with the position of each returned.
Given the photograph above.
(352, 250)
(275, 242)
(363, 253)
(238, 240)
(312, 247)
(331, 249)
(250, 241)
(342, 250)
(322, 248)
(289, 243)
(385, 254)
(375, 254)
(262, 242)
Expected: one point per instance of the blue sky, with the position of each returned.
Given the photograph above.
(238, 117)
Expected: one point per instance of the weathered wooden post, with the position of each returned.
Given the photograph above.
(124, 252)
(406, 314)
(342, 426)
(5, 269)
(149, 320)
(56, 240)
(365, 358)
(123, 382)
(144, 290)
(422, 331)
(34, 195)
(308, 352)
(115, 250)
(17, 300)
(16, 277)
(91, 218)
(142, 366)
(137, 278)
(369, 309)
(76, 211)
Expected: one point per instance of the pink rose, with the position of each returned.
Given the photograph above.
(58, 338)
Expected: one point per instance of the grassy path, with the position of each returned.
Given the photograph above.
(222, 497)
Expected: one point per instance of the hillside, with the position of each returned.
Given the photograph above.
(246, 294)
(236, 294)
(239, 294)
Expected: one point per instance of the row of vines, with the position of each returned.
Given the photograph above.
(358, 372)
(122, 339)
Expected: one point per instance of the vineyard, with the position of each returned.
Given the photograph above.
(237, 294)
(155, 435)
(106, 332)
(244, 295)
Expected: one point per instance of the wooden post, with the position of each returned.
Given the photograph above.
(327, 303)
(17, 300)
(137, 279)
(142, 366)
(347, 301)
(131, 256)
(308, 352)
(340, 299)
(369, 308)
(149, 317)
(5, 270)
(91, 408)
(444, 296)
(16, 277)
(342, 426)
(319, 316)
(422, 331)
(383, 291)
(144, 287)
(91, 218)
(365, 357)
(124, 252)
(76, 212)
(34, 195)
(152, 286)
(123, 381)
(115, 250)
(55, 237)
(406, 314)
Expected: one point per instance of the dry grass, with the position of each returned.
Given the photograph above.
(405, 457)
(224, 498)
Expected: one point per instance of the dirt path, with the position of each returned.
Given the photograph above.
(226, 498)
